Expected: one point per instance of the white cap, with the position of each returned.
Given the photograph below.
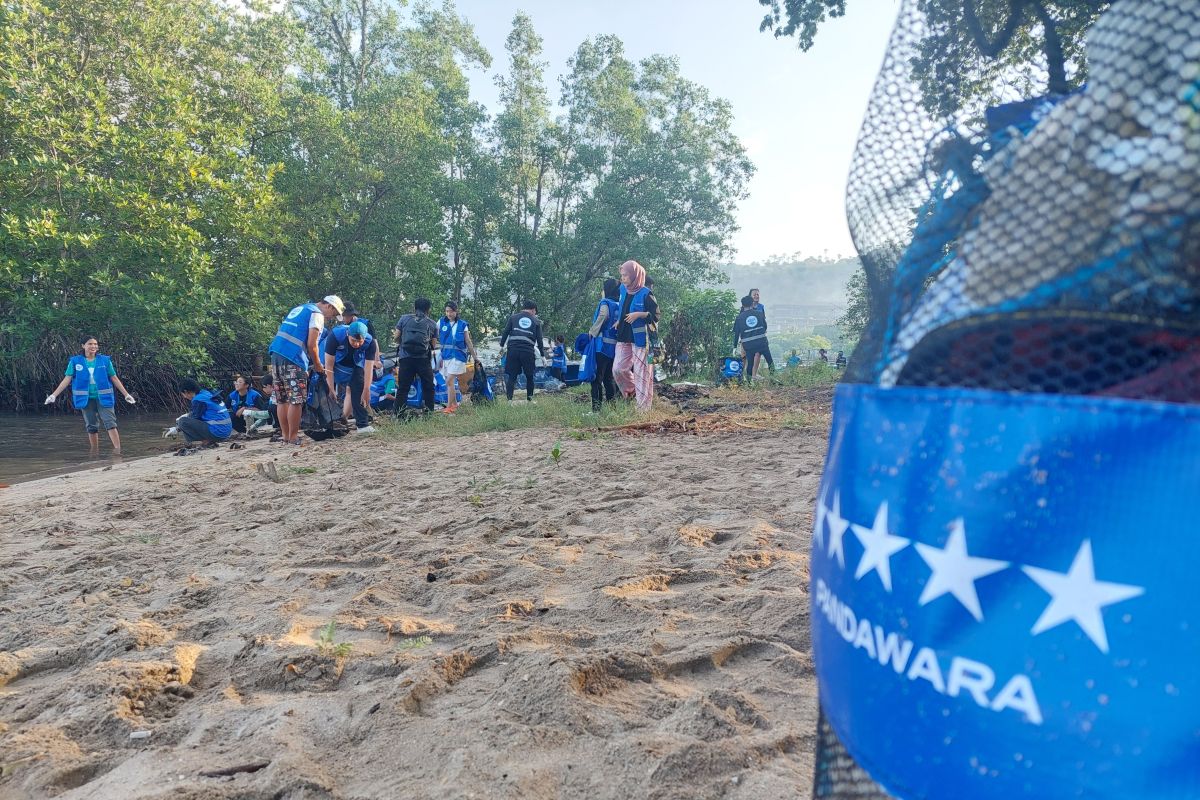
(336, 302)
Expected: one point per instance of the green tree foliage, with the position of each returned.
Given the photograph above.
(176, 174)
(1035, 44)
(703, 323)
(853, 321)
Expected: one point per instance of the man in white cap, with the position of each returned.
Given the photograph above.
(293, 352)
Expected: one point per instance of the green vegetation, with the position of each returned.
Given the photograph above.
(1035, 43)
(326, 644)
(550, 411)
(177, 174)
(556, 453)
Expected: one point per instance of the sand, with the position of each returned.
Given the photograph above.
(629, 623)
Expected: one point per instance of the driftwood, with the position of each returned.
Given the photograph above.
(225, 772)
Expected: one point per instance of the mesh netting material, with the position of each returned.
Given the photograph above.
(1033, 243)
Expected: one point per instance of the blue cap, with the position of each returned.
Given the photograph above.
(358, 329)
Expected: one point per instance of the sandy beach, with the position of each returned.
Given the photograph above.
(513, 627)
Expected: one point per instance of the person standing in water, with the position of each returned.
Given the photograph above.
(92, 378)
(293, 352)
(454, 335)
(604, 328)
(631, 367)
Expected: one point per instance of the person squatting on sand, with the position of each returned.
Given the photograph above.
(350, 356)
(522, 334)
(92, 377)
(604, 328)
(454, 336)
(208, 420)
(417, 337)
(631, 366)
(294, 350)
(246, 404)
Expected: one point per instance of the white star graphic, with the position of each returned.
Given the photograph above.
(956, 572)
(819, 525)
(1077, 595)
(837, 529)
(879, 546)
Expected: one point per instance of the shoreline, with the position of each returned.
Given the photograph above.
(628, 621)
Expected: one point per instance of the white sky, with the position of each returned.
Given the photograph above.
(796, 113)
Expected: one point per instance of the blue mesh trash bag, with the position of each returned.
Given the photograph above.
(1019, 419)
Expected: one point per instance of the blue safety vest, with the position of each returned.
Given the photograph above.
(235, 400)
(731, 368)
(608, 332)
(453, 338)
(559, 357)
(80, 379)
(212, 411)
(379, 388)
(637, 304)
(341, 373)
(291, 342)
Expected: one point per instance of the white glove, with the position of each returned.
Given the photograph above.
(170, 432)
(50, 399)
(129, 399)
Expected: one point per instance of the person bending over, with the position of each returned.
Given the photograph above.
(208, 420)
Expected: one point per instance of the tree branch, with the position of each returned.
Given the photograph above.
(991, 49)
(1055, 61)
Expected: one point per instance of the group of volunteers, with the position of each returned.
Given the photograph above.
(345, 360)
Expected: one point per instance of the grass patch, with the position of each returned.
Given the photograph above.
(550, 411)
(808, 376)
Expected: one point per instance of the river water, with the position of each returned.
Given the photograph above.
(39, 445)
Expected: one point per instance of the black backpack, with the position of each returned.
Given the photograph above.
(414, 336)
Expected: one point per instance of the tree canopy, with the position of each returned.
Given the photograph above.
(176, 174)
(1037, 44)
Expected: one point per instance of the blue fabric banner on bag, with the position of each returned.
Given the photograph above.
(1006, 594)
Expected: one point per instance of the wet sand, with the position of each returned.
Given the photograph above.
(629, 623)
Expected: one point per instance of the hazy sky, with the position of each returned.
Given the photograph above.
(796, 113)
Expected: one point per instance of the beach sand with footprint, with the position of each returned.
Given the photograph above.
(629, 622)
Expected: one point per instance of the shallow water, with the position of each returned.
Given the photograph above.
(39, 445)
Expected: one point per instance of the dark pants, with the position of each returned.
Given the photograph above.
(753, 350)
(361, 416)
(766, 353)
(603, 386)
(519, 361)
(410, 367)
(274, 412)
(195, 430)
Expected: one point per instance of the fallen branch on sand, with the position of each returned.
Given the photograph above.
(254, 766)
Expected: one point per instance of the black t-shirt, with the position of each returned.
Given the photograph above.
(431, 329)
(624, 329)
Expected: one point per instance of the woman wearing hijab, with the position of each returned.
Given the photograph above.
(631, 366)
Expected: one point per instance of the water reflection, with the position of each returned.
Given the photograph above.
(39, 445)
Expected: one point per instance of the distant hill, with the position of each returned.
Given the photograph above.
(798, 292)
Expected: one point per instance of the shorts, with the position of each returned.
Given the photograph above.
(452, 366)
(95, 415)
(291, 382)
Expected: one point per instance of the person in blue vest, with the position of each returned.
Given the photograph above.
(604, 328)
(458, 355)
(93, 378)
(294, 351)
(558, 358)
(631, 366)
(244, 398)
(350, 355)
(208, 421)
(383, 391)
(793, 359)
